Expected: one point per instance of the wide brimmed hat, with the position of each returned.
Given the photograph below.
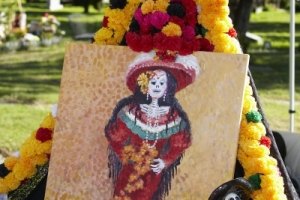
(184, 68)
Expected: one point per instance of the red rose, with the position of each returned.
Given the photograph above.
(133, 40)
(189, 6)
(264, 140)
(191, 19)
(188, 32)
(43, 134)
(172, 43)
(168, 58)
(147, 42)
(232, 33)
(205, 45)
(186, 48)
(177, 20)
(105, 21)
(196, 44)
(158, 41)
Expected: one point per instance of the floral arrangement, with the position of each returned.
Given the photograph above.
(180, 26)
(254, 152)
(143, 80)
(34, 152)
(50, 26)
(141, 160)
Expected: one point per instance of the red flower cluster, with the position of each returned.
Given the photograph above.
(232, 33)
(264, 140)
(43, 134)
(147, 34)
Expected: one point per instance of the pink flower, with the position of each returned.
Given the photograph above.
(138, 15)
(188, 32)
(159, 19)
(145, 25)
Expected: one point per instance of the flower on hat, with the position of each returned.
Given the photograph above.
(143, 80)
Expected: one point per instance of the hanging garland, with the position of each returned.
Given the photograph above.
(34, 153)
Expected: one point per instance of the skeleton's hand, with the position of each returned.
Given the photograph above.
(163, 110)
(144, 108)
(158, 166)
(54, 110)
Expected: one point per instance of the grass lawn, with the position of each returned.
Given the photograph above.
(29, 80)
(271, 67)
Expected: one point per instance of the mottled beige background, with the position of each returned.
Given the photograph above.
(93, 81)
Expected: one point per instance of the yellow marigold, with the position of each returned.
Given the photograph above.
(133, 177)
(45, 147)
(139, 184)
(115, 15)
(103, 34)
(49, 122)
(161, 5)
(143, 80)
(4, 189)
(253, 148)
(248, 91)
(128, 148)
(11, 181)
(25, 168)
(264, 165)
(223, 11)
(252, 131)
(272, 179)
(133, 2)
(40, 159)
(220, 27)
(147, 7)
(249, 104)
(10, 162)
(234, 46)
(153, 152)
(111, 41)
(172, 29)
(28, 149)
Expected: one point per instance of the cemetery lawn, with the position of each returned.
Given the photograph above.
(29, 80)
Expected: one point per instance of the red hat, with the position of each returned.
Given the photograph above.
(184, 68)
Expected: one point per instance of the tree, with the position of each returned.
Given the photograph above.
(240, 11)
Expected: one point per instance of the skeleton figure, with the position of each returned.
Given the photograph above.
(147, 134)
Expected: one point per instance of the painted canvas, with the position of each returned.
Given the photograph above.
(132, 127)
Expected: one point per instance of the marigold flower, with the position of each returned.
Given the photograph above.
(10, 162)
(172, 29)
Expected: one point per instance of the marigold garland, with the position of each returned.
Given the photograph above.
(254, 153)
(34, 152)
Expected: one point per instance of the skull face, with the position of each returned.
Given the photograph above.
(232, 196)
(158, 84)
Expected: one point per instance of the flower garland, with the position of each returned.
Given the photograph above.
(34, 152)
(213, 16)
(254, 153)
(141, 160)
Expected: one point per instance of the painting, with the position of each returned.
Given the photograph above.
(131, 126)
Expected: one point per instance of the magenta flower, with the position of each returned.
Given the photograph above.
(188, 32)
(159, 19)
(138, 15)
(145, 25)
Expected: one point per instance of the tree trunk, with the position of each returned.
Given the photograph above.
(240, 11)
